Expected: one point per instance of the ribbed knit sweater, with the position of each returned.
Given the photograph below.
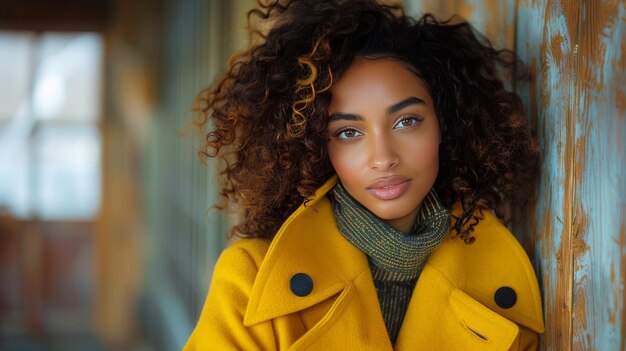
(396, 259)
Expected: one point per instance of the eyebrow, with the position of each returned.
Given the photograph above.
(405, 103)
(344, 116)
(392, 109)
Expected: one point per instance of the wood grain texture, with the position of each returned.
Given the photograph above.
(599, 185)
(554, 71)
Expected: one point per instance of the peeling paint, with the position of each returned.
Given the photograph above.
(620, 89)
(558, 46)
(598, 276)
(581, 340)
(582, 149)
(618, 286)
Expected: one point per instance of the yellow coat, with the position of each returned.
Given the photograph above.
(251, 305)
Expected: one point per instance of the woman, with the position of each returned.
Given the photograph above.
(366, 152)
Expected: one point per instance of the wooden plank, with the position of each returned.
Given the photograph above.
(599, 184)
(546, 32)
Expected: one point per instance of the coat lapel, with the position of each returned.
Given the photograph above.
(309, 243)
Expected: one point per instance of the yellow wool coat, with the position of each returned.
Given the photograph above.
(253, 302)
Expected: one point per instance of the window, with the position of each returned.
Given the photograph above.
(50, 92)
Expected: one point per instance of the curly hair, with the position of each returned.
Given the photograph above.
(267, 115)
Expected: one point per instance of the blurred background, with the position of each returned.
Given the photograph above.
(107, 240)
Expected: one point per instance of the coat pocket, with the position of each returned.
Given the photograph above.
(480, 327)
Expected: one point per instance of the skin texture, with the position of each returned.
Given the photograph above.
(383, 128)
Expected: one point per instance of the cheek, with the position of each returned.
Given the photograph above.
(424, 155)
(345, 161)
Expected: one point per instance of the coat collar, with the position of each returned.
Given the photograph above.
(310, 243)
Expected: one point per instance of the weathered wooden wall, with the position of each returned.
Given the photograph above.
(599, 186)
(576, 99)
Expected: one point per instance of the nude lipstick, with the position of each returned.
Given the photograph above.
(389, 188)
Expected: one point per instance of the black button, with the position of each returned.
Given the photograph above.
(301, 284)
(505, 297)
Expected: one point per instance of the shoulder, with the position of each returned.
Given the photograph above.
(243, 255)
(220, 325)
(493, 247)
(238, 265)
(234, 276)
(495, 270)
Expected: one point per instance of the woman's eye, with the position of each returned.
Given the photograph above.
(348, 134)
(407, 122)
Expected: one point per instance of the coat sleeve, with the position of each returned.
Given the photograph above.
(220, 326)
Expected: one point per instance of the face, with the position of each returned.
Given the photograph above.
(384, 139)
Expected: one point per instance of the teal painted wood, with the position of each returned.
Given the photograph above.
(599, 207)
(545, 42)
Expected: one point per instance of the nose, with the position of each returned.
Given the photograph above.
(383, 155)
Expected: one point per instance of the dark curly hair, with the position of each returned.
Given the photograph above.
(267, 115)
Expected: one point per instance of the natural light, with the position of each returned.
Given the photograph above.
(50, 89)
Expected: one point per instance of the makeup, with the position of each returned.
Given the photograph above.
(389, 188)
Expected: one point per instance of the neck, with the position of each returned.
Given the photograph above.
(404, 224)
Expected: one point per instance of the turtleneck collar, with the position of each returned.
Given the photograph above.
(387, 248)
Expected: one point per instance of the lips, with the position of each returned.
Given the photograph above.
(389, 188)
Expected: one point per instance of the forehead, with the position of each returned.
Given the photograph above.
(380, 80)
